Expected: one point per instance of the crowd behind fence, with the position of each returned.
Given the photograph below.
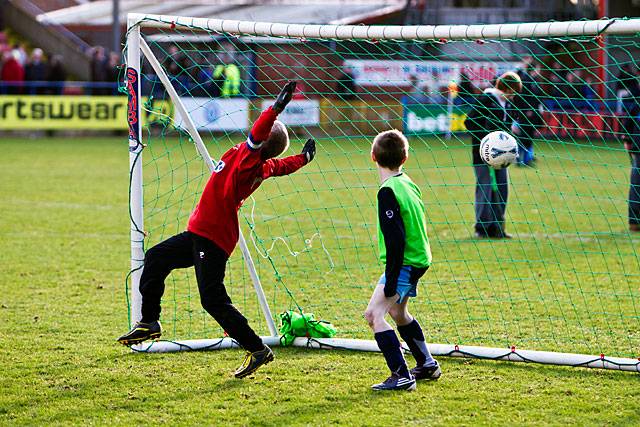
(549, 86)
(24, 72)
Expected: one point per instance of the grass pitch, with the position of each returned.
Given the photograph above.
(569, 282)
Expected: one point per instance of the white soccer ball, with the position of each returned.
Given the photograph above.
(499, 150)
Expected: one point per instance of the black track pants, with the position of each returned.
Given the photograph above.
(185, 250)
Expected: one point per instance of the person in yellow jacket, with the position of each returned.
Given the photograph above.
(232, 80)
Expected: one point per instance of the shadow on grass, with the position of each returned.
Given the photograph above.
(285, 354)
(547, 371)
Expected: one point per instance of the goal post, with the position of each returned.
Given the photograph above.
(561, 292)
(133, 58)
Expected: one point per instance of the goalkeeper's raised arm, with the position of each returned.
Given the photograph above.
(262, 128)
(269, 137)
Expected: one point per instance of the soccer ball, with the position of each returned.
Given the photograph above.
(499, 150)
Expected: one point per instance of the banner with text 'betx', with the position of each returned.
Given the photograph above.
(433, 119)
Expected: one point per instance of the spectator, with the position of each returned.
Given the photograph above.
(627, 80)
(527, 105)
(113, 71)
(346, 84)
(557, 83)
(213, 87)
(631, 138)
(176, 67)
(232, 79)
(204, 80)
(465, 90)
(36, 72)
(571, 92)
(20, 53)
(56, 75)
(99, 70)
(12, 72)
(218, 80)
(589, 93)
(415, 94)
(3, 43)
(175, 62)
(626, 84)
(439, 97)
(490, 112)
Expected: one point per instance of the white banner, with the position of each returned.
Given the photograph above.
(430, 74)
(216, 113)
(299, 112)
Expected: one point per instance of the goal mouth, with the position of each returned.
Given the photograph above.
(562, 288)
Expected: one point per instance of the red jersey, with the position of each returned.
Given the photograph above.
(236, 176)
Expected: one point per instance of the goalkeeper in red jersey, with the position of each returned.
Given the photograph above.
(213, 231)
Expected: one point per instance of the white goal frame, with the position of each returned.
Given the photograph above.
(136, 45)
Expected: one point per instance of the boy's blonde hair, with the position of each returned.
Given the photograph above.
(390, 149)
(277, 142)
(509, 82)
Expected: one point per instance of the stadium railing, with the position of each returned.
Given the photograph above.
(58, 88)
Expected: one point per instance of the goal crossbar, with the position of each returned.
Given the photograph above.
(612, 26)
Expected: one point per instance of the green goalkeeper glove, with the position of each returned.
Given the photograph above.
(284, 97)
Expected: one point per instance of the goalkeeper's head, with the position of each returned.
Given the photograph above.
(277, 142)
(390, 149)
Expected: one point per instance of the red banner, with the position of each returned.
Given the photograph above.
(579, 124)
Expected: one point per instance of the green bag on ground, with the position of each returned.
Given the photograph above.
(296, 324)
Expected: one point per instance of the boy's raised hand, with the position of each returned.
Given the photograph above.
(284, 97)
(309, 149)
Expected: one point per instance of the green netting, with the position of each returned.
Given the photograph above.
(567, 281)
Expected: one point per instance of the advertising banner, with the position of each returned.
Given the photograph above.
(299, 112)
(42, 112)
(217, 114)
(432, 119)
(427, 74)
(580, 124)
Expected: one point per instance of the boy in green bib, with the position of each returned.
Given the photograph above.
(405, 251)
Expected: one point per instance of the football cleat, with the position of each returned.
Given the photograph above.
(427, 372)
(396, 382)
(141, 332)
(252, 361)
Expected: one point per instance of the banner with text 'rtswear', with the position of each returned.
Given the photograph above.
(42, 112)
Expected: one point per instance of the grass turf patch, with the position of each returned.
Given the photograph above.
(567, 282)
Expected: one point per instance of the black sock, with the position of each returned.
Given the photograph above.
(413, 336)
(390, 347)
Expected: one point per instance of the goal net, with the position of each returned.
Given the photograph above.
(567, 282)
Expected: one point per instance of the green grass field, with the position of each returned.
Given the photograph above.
(567, 282)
